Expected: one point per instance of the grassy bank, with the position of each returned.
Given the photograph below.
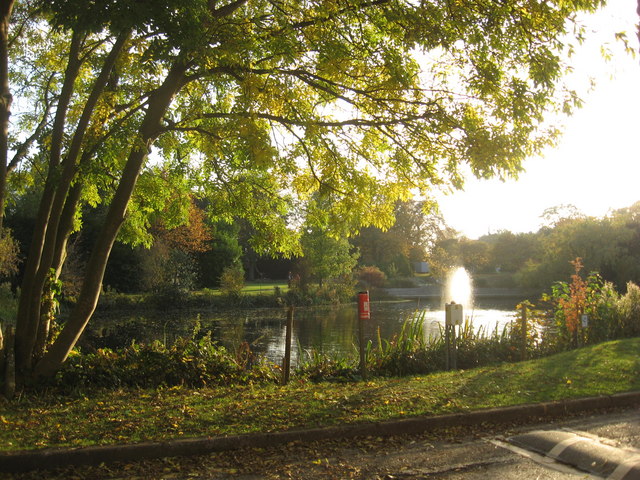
(258, 294)
(138, 415)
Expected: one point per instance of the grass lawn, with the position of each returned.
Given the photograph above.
(250, 288)
(257, 288)
(138, 415)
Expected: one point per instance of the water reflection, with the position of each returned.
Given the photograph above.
(332, 330)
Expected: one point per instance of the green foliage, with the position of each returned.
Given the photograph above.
(608, 245)
(8, 305)
(224, 251)
(264, 108)
(627, 308)
(232, 281)
(566, 304)
(189, 361)
(416, 229)
(411, 352)
(318, 367)
(371, 277)
(327, 257)
(9, 254)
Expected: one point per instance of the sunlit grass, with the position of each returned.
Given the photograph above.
(138, 415)
(251, 288)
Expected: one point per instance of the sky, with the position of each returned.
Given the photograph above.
(596, 164)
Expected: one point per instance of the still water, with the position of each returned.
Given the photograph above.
(332, 330)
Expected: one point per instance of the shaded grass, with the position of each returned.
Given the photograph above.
(138, 415)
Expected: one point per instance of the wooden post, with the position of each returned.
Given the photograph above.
(364, 313)
(523, 331)
(286, 367)
(454, 356)
(363, 365)
(447, 340)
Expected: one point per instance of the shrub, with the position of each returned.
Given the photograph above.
(371, 277)
(232, 281)
(566, 304)
(189, 361)
(628, 312)
(318, 366)
(9, 254)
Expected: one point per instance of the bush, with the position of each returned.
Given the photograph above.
(590, 296)
(628, 312)
(189, 362)
(232, 281)
(318, 366)
(371, 277)
(9, 254)
(8, 304)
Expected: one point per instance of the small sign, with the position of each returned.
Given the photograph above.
(585, 321)
(453, 314)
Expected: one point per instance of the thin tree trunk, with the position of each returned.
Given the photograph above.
(28, 315)
(90, 292)
(6, 7)
(63, 185)
(65, 227)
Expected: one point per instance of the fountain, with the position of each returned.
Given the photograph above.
(457, 299)
(459, 289)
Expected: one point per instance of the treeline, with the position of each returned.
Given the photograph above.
(609, 245)
(194, 253)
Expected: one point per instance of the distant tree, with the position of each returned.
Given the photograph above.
(413, 233)
(509, 252)
(224, 250)
(327, 257)
(171, 260)
(444, 256)
(554, 216)
(475, 254)
(232, 281)
(609, 245)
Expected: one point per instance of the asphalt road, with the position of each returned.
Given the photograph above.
(605, 445)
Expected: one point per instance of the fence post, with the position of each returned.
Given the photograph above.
(364, 313)
(523, 331)
(286, 367)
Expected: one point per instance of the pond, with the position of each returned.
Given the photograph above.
(332, 330)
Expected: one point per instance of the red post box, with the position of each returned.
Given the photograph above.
(364, 312)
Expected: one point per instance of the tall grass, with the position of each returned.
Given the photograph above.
(412, 352)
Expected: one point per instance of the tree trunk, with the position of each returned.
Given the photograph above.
(6, 7)
(28, 315)
(90, 292)
(47, 252)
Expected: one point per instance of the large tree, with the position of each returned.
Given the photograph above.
(268, 103)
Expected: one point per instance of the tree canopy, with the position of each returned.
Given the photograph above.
(263, 107)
